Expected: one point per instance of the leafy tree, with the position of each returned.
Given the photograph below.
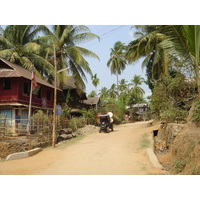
(103, 93)
(66, 38)
(136, 89)
(149, 44)
(18, 46)
(112, 92)
(170, 98)
(123, 85)
(117, 61)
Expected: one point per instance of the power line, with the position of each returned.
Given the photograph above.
(113, 30)
(108, 33)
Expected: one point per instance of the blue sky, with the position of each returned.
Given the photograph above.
(110, 34)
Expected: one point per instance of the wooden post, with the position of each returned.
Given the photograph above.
(55, 98)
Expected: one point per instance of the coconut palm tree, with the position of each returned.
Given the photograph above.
(160, 44)
(136, 82)
(117, 61)
(103, 93)
(123, 85)
(95, 81)
(17, 45)
(149, 44)
(66, 38)
(92, 94)
(112, 92)
(186, 41)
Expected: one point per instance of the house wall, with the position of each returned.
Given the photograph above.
(9, 95)
(16, 93)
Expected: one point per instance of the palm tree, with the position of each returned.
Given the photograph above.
(117, 61)
(167, 42)
(149, 44)
(103, 93)
(136, 82)
(66, 38)
(186, 41)
(95, 81)
(112, 92)
(123, 86)
(92, 94)
(17, 45)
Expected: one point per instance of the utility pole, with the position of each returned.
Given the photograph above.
(55, 99)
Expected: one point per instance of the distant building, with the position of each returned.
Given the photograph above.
(92, 102)
(138, 111)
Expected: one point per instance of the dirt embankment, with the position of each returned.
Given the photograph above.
(178, 148)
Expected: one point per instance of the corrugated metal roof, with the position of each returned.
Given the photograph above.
(91, 100)
(9, 69)
(69, 83)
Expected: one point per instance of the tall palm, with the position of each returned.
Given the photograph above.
(95, 81)
(117, 61)
(136, 83)
(17, 45)
(149, 45)
(66, 38)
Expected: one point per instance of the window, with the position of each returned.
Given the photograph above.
(6, 84)
(24, 117)
(48, 95)
(26, 88)
(7, 114)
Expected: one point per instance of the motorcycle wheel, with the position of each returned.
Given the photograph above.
(107, 130)
(100, 130)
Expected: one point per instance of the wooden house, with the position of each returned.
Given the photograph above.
(15, 83)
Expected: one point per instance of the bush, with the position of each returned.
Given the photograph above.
(114, 106)
(172, 114)
(76, 123)
(42, 123)
(168, 101)
(90, 116)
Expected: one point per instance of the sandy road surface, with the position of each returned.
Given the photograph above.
(116, 153)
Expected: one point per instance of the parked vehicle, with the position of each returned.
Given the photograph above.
(105, 123)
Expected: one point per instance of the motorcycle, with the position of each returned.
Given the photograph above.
(105, 124)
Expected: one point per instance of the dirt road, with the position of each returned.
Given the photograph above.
(116, 153)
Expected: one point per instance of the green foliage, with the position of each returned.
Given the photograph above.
(179, 165)
(90, 115)
(196, 114)
(169, 98)
(76, 123)
(92, 94)
(42, 123)
(172, 114)
(116, 107)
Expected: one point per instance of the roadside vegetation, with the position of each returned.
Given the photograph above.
(171, 57)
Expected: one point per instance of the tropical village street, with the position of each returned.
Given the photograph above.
(115, 153)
